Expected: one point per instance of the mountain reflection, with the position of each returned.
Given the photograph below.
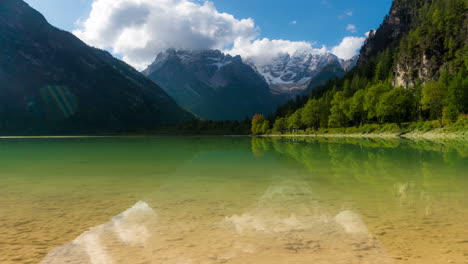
(287, 222)
(99, 244)
(258, 200)
(290, 217)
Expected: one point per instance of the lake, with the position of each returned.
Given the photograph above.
(232, 200)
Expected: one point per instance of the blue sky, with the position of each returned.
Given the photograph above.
(323, 22)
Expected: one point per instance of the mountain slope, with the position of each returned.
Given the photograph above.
(221, 87)
(51, 82)
(414, 68)
(424, 37)
(210, 84)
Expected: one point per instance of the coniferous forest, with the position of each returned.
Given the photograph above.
(411, 75)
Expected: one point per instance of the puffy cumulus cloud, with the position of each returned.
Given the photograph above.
(348, 47)
(263, 51)
(139, 29)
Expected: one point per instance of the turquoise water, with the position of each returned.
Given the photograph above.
(232, 200)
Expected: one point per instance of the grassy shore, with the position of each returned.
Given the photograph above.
(430, 130)
(431, 135)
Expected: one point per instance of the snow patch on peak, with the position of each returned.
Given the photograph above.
(294, 71)
(191, 57)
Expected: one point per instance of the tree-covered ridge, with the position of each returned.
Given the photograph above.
(414, 68)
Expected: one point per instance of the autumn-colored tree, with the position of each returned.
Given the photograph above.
(257, 123)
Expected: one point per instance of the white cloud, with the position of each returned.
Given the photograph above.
(263, 51)
(368, 33)
(351, 28)
(294, 22)
(348, 47)
(346, 14)
(139, 29)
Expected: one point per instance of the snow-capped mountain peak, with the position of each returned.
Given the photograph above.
(294, 72)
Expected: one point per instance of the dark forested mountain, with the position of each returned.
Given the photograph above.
(413, 68)
(211, 84)
(51, 82)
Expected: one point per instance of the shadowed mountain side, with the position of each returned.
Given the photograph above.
(54, 83)
(212, 85)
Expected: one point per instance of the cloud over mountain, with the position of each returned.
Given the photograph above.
(263, 51)
(137, 30)
(348, 46)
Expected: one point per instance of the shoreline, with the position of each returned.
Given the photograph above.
(411, 135)
(431, 135)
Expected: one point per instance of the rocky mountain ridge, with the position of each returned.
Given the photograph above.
(211, 84)
(292, 74)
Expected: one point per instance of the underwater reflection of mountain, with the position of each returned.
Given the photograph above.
(83, 181)
(218, 199)
(284, 217)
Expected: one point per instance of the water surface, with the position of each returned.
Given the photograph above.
(232, 200)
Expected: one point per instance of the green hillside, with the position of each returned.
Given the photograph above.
(412, 69)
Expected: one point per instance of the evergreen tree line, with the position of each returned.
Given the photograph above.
(367, 95)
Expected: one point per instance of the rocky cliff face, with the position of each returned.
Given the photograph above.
(425, 37)
(348, 65)
(53, 83)
(221, 87)
(211, 84)
(395, 25)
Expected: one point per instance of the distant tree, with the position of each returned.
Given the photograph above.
(355, 83)
(280, 124)
(294, 121)
(311, 114)
(265, 127)
(457, 93)
(396, 105)
(382, 69)
(379, 72)
(338, 116)
(433, 97)
(372, 99)
(356, 111)
(324, 111)
(347, 88)
(449, 114)
(257, 123)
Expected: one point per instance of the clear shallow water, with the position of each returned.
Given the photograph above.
(232, 200)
